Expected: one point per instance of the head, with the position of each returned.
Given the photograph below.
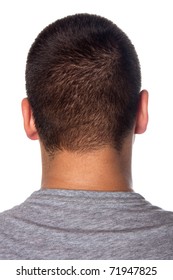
(83, 85)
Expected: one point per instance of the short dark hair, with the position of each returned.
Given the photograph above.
(83, 81)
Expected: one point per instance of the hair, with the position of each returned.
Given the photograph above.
(83, 81)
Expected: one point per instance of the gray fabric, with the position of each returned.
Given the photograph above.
(68, 224)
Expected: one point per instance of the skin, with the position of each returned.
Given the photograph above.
(103, 170)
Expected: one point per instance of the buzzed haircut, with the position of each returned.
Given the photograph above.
(83, 81)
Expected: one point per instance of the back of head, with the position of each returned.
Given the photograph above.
(83, 82)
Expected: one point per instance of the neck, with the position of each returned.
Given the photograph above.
(103, 170)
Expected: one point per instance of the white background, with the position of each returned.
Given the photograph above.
(87, 267)
(149, 25)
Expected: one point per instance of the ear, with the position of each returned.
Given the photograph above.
(142, 115)
(29, 124)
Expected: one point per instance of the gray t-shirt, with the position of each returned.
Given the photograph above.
(69, 224)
